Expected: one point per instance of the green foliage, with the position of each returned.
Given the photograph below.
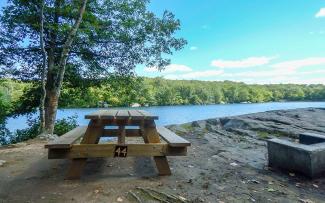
(65, 125)
(123, 91)
(4, 133)
(11, 91)
(117, 90)
(114, 36)
(4, 107)
(61, 126)
(26, 134)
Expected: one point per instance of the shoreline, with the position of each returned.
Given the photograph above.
(178, 114)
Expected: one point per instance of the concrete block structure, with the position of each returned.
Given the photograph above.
(306, 157)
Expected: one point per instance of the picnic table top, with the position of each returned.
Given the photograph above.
(122, 114)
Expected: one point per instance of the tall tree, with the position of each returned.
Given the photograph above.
(90, 39)
(43, 70)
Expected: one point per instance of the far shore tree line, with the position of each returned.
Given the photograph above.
(21, 97)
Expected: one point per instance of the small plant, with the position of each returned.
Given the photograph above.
(61, 126)
(5, 134)
(65, 125)
(263, 134)
(27, 133)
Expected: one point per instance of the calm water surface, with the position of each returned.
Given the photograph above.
(180, 114)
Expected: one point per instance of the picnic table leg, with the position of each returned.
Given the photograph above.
(121, 135)
(92, 136)
(150, 135)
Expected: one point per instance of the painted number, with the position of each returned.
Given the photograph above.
(121, 151)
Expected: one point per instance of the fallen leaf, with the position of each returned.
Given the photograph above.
(119, 199)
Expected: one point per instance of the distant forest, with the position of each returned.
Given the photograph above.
(20, 97)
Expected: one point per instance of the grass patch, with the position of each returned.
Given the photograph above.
(263, 135)
(187, 126)
(268, 135)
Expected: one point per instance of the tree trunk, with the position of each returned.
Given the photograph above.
(43, 71)
(56, 72)
(52, 95)
(51, 105)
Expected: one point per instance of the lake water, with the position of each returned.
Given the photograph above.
(179, 114)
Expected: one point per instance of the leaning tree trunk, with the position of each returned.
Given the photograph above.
(43, 70)
(56, 72)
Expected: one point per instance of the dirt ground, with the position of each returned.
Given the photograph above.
(220, 167)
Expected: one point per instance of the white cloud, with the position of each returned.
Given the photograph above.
(172, 68)
(196, 75)
(193, 48)
(300, 71)
(255, 74)
(320, 13)
(292, 71)
(296, 64)
(244, 63)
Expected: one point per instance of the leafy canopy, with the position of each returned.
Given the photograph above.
(114, 36)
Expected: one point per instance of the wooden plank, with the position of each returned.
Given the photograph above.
(127, 122)
(94, 115)
(109, 114)
(65, 141)
(128, 133)
(82, 151)
(102, 114)
(147, 115)
(92, 136)
(133, 150)
(93, 132)
(136, 115)
(171, 138)
(162, 165)
(121, 135)
(75, 169)
(122, 114)
(107, 150)
(150, 135)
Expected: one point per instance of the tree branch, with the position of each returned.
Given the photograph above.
(68, 43)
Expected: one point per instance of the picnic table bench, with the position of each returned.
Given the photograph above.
(83, 142)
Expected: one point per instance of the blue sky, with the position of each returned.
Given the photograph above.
(255, 41)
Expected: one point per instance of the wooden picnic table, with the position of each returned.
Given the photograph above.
(83, 142)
